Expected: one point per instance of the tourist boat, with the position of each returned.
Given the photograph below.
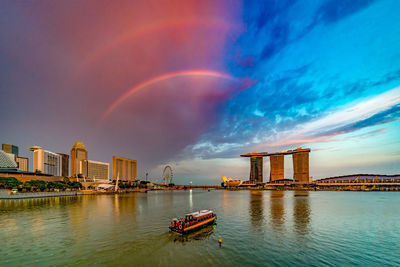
(193, 221)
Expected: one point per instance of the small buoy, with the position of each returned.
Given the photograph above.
(220, 241)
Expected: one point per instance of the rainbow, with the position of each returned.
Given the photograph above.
(160, 78)
(137, 33)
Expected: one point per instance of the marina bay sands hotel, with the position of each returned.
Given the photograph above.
(300, 165)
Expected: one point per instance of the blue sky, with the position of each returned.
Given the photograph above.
(313, 60)
(317, 74)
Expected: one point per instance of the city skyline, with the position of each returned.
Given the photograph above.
(195, 85)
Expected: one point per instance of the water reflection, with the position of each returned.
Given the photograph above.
(84, 230)
(124, 204)
(167, 199)
(256, 208)
(225, 200)
(77, 215)
(190, 198)
(277, 209)
(201, 234)
(301, 212)
(35, 203)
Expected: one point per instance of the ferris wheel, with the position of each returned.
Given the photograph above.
(167, 175)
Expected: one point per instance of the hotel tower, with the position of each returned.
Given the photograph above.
(78, 154)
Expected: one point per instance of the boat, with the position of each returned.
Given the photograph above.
(193, 221)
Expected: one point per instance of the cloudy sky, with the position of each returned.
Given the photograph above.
(194, 84)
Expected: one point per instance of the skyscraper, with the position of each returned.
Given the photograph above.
(94, 169)
(47, 162)
(65, 164)
(78, 153)
(256, 170)
(125, 168)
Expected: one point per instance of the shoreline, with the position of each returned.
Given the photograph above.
(32, 195)
(35, 195)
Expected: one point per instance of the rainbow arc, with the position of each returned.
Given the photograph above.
(163, 77)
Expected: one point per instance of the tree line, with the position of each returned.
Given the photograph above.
(38, 185)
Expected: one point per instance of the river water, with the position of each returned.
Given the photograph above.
(257, 228)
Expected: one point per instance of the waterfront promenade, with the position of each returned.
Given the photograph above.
(40, 195)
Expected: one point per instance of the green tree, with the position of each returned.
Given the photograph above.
(38, 184)
(9, 182)
(27, 186)
(74, 185)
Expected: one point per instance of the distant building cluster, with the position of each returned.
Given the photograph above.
(50, 163)
(301, 166)
(13, 152)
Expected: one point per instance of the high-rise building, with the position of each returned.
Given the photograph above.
(8, 148)
(125, 168)
(47, 162)
(256, 170)
(277, 170)
(78, 153)
(65, 164)
(23, 164)
(301, 169)
(94, 169)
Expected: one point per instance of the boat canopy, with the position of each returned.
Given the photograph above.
(199, 213)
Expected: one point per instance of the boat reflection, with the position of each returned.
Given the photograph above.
(201, 234)
(256, 208)
(277, 209)
(301, 212)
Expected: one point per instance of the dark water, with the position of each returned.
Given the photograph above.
(257, 228)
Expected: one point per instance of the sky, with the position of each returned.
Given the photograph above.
(194, 84)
